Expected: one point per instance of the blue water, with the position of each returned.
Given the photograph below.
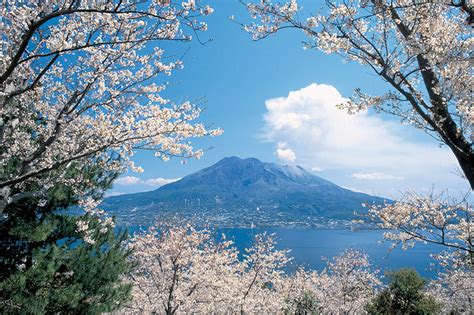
(309, 245)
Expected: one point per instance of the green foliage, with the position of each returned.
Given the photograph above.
(403, 296)
(38, 222)
(71, 279)
(45, 265)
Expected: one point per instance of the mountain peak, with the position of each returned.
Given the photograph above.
(237, 175)
(233, 188)
(236, 159)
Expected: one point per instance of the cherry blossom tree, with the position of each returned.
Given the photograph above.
(182, 269)
(440, 220)
(261, 276)
(435, 219)
(454, 287)
(421, 49)
(345, 286)
(79, 85)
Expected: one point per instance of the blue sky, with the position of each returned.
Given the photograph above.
(246, 86)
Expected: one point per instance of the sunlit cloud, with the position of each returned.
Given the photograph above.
(324, 138)
(285, 154)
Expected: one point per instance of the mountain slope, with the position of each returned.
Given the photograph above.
(240, 192)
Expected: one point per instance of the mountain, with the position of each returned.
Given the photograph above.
(243, 192)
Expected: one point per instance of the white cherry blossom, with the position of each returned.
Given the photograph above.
(80, 85)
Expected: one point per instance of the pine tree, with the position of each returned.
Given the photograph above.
(45, 265)
(403, 296)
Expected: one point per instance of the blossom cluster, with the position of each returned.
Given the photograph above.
(454, 287)
(345, 286)
(183, 269)
(80, 84)
(435, 219)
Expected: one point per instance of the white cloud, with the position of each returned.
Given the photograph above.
(127, 181)
(285, 154)
(113, 193)
(375, 176)
(133, 180)
(326, 138)
(160, 181)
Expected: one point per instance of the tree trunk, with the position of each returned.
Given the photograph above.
(467, 166)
